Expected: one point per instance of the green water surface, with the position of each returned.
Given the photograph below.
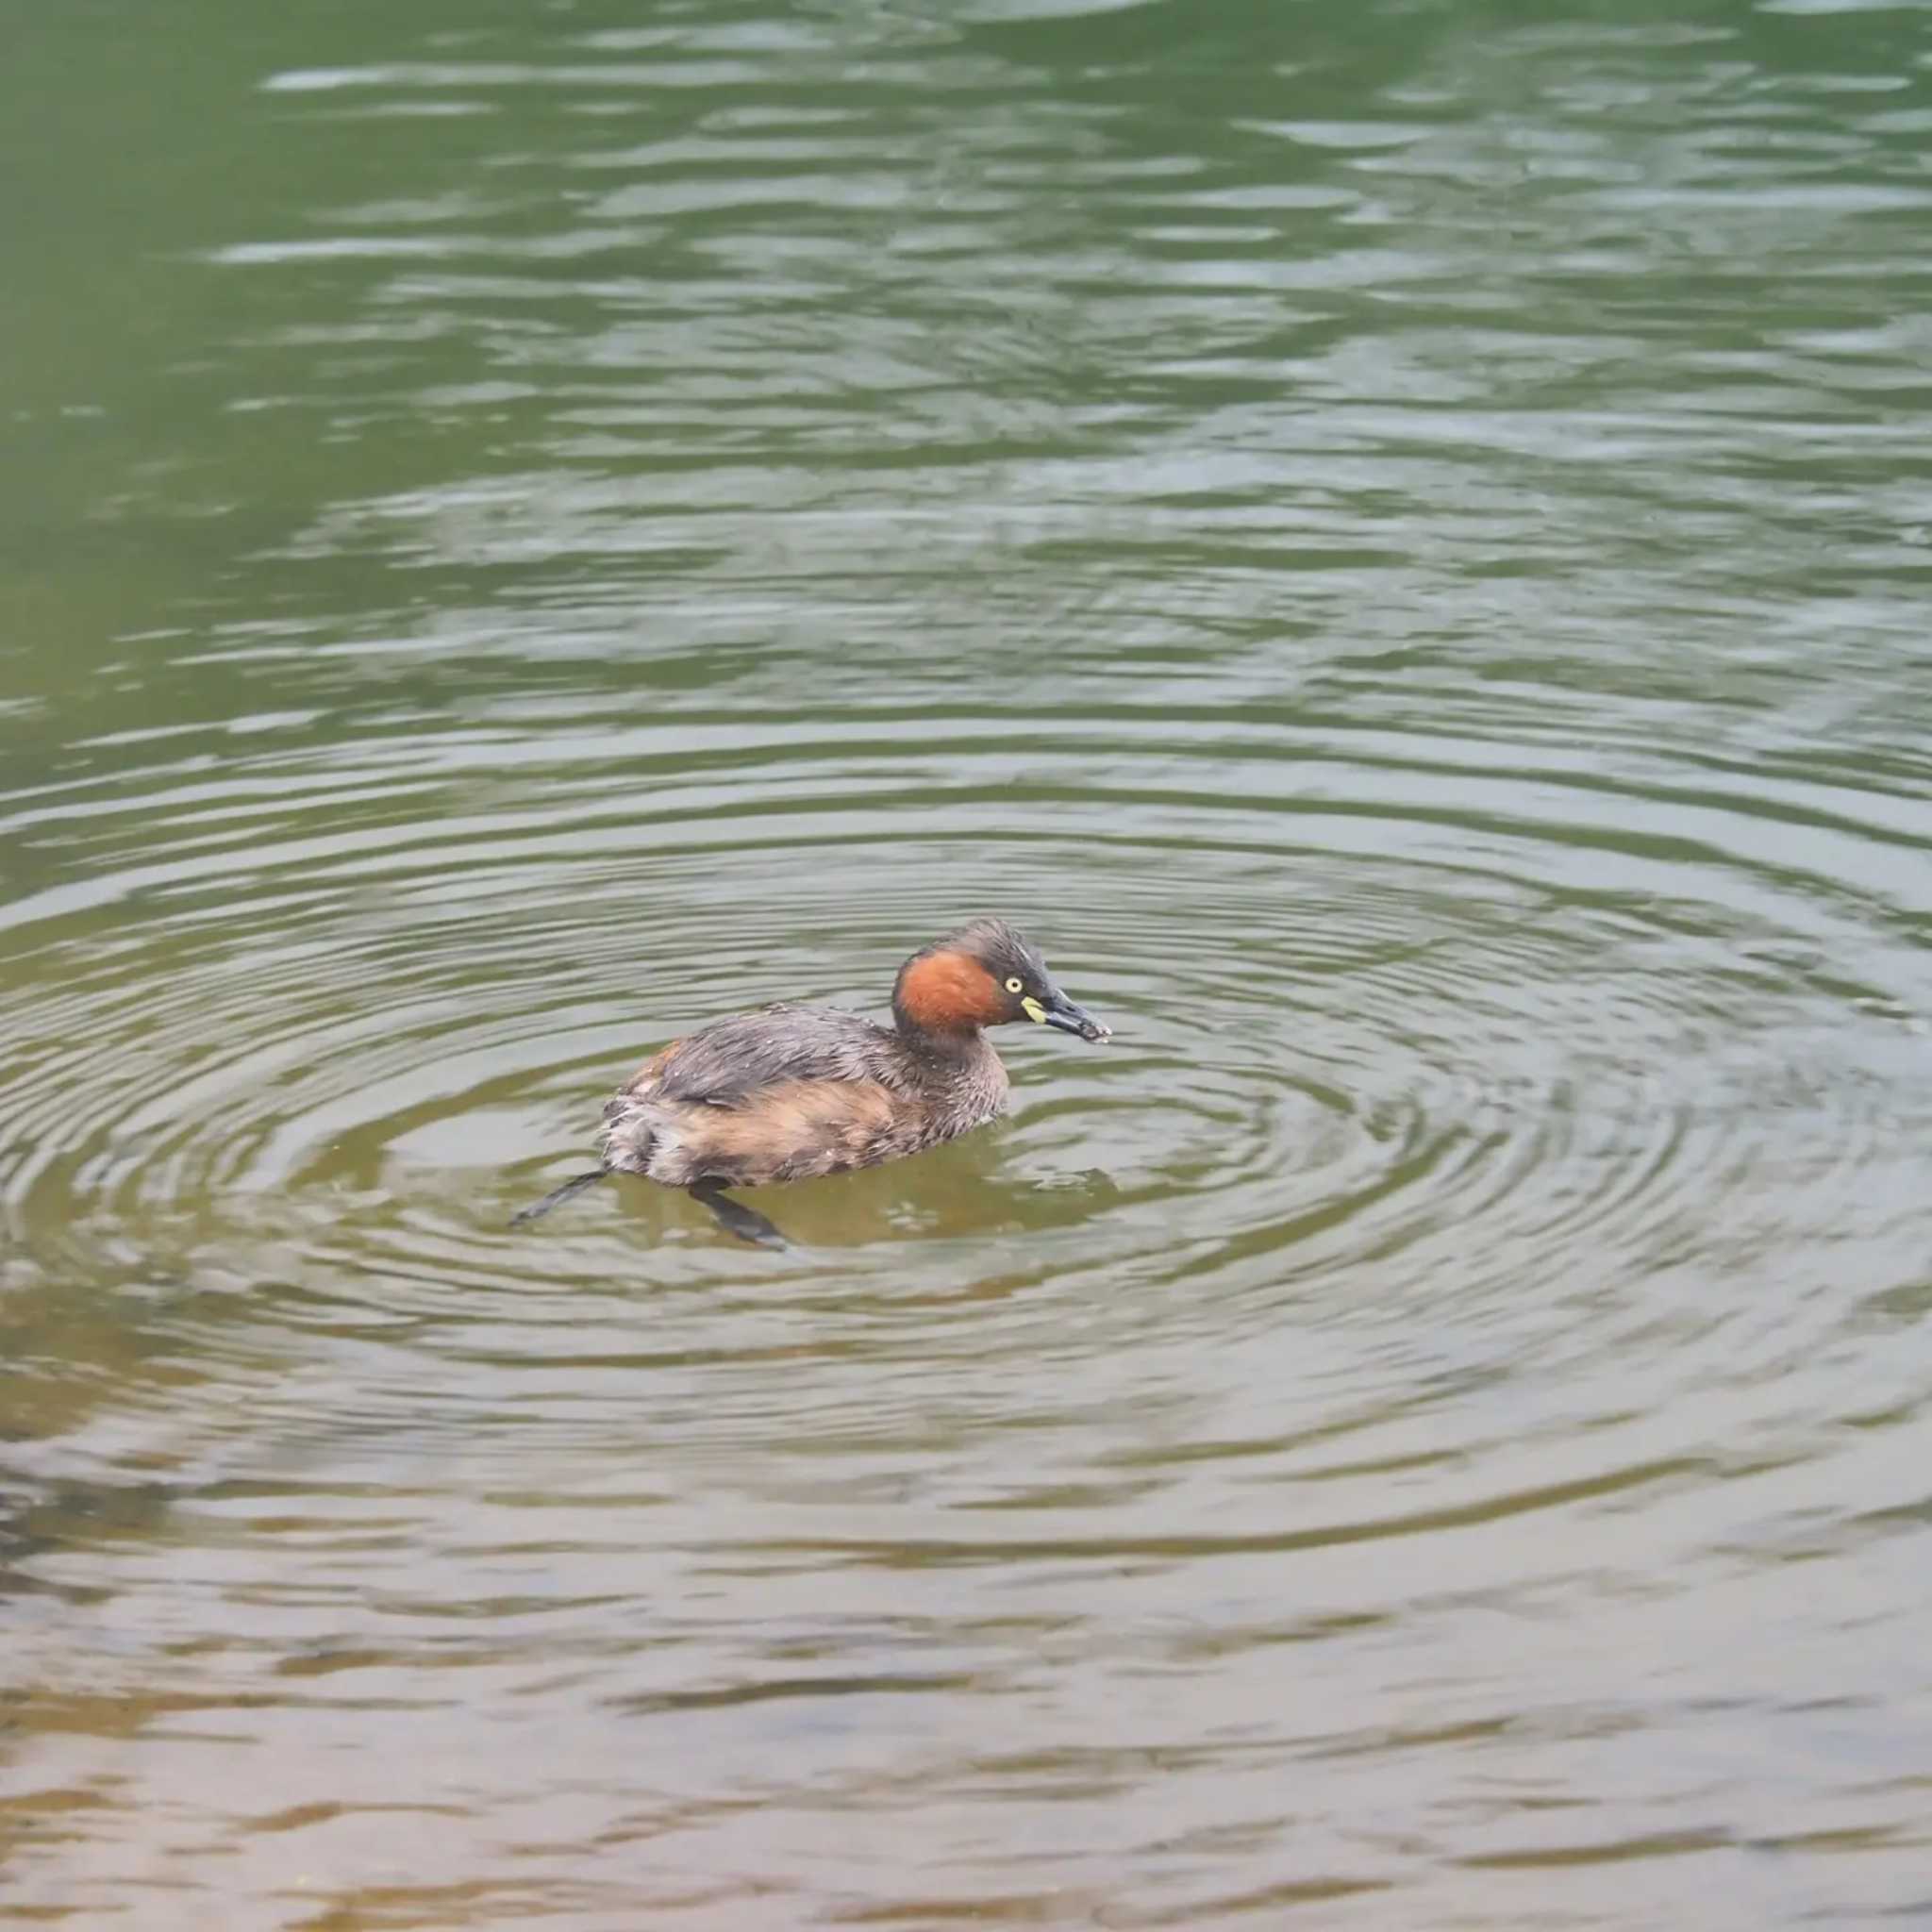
(1394, 538)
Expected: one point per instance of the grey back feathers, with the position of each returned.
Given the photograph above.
(729, 1062)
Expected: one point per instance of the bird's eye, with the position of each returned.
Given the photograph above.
(1015, 985)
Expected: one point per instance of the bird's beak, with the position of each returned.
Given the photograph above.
(1056, 1009)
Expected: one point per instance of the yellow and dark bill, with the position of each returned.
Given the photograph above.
(1056, 1009)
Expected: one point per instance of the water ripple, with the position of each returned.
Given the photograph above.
(1395, 543)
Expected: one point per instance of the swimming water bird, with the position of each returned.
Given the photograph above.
(792, 1092)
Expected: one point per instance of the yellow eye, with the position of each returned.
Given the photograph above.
(1015, 985)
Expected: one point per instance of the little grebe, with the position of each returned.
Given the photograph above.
(792, 1092)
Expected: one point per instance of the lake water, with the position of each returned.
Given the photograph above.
(1395, 538)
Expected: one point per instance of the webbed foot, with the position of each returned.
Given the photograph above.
(736, 1218)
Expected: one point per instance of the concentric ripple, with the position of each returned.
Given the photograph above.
(1394, 542)
(1340, 1050)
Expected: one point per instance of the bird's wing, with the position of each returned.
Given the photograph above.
(730, 1062)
